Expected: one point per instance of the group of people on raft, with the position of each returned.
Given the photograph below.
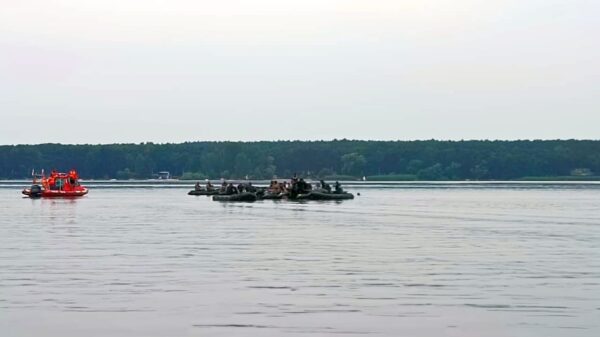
(293, 188)
(59, 181)
(56, 184)
(299, 186)
(226, 188)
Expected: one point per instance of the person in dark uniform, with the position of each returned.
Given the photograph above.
(338, 188)
(231, 189)
(325, 186)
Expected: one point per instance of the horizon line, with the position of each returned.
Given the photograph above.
(312, 141)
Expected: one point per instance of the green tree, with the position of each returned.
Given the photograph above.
(353, 164)
(242, 165)
(414, 166)
(480, 171)
(434, 172)
(459, 160)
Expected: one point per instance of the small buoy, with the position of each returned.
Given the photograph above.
(357, 193)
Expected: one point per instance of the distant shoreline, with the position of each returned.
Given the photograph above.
(538, 160)
(355, 182)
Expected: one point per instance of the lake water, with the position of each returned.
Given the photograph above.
(399, 260)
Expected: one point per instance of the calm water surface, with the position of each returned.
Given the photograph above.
(399, 260)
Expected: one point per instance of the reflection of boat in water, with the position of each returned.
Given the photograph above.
(59, 185)
(244, 196)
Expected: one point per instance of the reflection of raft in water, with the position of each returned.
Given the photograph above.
(203, 192)
(317, 195)
(246, 196)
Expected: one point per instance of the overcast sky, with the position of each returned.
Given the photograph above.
(105, 71)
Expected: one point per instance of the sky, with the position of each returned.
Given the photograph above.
(130, 71)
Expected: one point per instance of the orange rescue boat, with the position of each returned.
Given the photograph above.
(56, 185)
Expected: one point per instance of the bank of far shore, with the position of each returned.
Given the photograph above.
(542, 178)
(349, 179)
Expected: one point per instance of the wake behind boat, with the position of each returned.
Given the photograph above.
(61, 185)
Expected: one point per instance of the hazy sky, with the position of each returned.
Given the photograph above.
(104, 71)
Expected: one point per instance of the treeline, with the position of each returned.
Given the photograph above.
(403, 160)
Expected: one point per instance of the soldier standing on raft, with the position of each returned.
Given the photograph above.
(231, 189)
(325, 186)
(338, 188)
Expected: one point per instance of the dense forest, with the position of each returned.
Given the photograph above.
(391, 160)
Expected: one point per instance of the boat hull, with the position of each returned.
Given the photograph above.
(325, 196)
(56, 194)
(240, 197)
(194, 192)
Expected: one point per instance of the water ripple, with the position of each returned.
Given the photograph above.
(411, 260)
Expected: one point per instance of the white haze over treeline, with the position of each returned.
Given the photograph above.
(105, 71)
